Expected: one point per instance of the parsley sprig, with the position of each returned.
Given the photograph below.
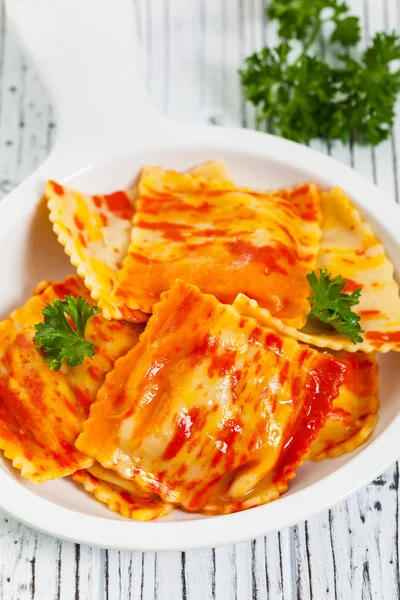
(331, 305)
(304, 97)
(303, 20)
(58, 339)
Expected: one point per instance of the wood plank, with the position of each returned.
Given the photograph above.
(232, 56)
(226, 573)
(124, 575)
(169, 583)
(11, 99)
(28, 562)
(391, 12)
(214, 92)
(250, 29)
(198, 572)
(178, 56)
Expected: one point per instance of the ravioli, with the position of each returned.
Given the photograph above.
(123, 497)
(348, 248)
(354, 412)
(42, 411)
(209, 404)
(223, 239)
(348, 425)
(95, 233)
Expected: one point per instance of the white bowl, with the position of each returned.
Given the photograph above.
(100, 153)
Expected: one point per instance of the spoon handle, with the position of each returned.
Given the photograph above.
(86, 52)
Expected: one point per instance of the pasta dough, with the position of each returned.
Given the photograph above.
(121, 496)
(42, 411)
(223, 239)
(208, 404)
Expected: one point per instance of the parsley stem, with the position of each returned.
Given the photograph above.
(313, 36)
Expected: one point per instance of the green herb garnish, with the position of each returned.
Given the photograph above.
(331, 305)
(58, 339)
(303, 97)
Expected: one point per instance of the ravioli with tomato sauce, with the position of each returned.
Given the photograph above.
(42, 411)
(95, 233)
(224, 239)
(210, 406)
(353, 415)
(121, 496)
(348, 248)
(348, 425)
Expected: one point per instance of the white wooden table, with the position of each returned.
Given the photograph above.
(191, 51)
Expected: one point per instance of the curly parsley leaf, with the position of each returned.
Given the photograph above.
(347, 31)
(299, 19)
(384, 49)
(368, 90)
(303, 97)
(58, 339)
(331, 305)
(293, 98)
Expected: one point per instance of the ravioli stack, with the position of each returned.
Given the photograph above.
(208, 388)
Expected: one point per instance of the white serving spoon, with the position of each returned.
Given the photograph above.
(107, 130)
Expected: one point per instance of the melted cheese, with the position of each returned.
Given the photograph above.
(223, 239)
(348, 248)
(94, 231)
(209, 404)
(42, 411)
(354, 412)
(121, 496)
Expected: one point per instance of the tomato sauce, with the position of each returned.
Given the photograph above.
(61, 290)
(98, 201)
(221, 363)
(104, 219)
(317, 403)
(58, 189)
(304, 202)
(255, 335)
(369, 313)
(152, 206)
(144, 260)
(82, 240)
(273, 342)
(78, 223)
(382, 337)
(83, 397)
(184, 424)
(162, 226)
(231, 430)
(270, 256)
(118, 203)
(235, 378)
(351, 285)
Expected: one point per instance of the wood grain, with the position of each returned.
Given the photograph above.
(191, 51)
